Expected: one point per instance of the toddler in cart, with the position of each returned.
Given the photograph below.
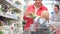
(41, 23)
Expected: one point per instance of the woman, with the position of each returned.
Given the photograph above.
(37, 8)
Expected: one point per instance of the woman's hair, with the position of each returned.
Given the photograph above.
(57, 6)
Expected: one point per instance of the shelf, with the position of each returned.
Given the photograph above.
(10, 16)
(22, 2)
(15, 10)
(14, 5)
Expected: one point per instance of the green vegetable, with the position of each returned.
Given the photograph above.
(0, 32)
(33, 15)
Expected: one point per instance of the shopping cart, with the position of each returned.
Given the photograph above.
(41, 31)
(27, 31)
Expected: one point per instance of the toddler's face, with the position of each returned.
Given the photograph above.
(45, 14)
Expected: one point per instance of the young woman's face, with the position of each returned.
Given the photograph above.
(56, 9)
(38, 2)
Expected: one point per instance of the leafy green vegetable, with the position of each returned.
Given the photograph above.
(0, 32)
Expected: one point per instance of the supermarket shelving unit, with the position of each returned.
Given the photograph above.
(17, 5)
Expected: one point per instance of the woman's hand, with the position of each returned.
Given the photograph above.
(29, 14)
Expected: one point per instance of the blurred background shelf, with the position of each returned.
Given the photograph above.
(10, 16)
(18, 6)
